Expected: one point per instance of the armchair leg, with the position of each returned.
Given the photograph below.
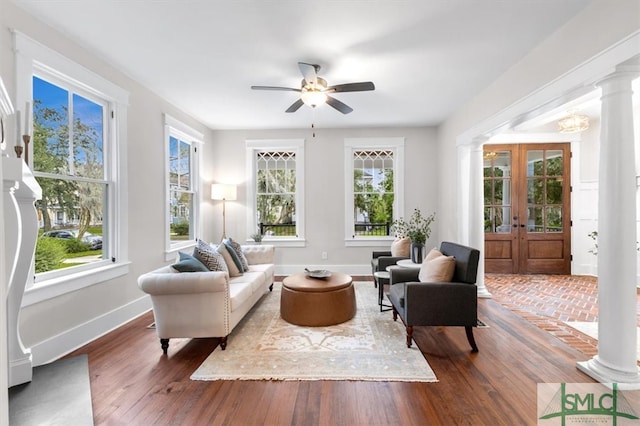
(165, 345)
(271, 287)
(223, 342)
(409, 335)
(395, 313)
(472, 341)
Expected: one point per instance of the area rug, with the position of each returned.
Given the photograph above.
(369, 347)
(591, 330)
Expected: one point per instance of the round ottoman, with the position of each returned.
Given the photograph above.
(317, 302)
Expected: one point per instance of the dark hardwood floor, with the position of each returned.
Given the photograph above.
(132, 383)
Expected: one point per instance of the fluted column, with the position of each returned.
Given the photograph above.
(616, 360)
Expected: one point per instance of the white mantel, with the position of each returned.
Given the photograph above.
(20, 191)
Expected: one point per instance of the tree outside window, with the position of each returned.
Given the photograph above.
(68, 162)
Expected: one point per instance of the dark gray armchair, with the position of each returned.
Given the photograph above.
(438, 304)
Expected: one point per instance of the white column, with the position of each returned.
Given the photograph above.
(471, 204)
(616, 359)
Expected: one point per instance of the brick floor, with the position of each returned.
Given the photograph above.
(548, 300)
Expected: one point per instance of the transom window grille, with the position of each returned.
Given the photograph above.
(276, 193)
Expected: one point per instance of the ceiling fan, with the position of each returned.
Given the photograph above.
(314, 90)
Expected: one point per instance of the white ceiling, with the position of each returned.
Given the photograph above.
(426, 57)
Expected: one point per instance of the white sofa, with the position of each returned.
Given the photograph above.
(207, 304)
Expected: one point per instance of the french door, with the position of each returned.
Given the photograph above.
(527, 216)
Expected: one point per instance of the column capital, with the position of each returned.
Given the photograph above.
(624, 72)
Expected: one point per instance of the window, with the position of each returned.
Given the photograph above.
(78, 119)
(183, 198)
(276, 206)
(374, 188)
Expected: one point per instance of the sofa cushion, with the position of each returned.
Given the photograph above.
(239, 292)
(255, 280)
(266, 269)
(188, 263)
(209, 257)
(236, 248)
(438, 269)
(401, 247)
(233, 269)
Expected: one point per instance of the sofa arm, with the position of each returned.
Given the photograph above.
(259, 253)
(454, 304)
(159, 283)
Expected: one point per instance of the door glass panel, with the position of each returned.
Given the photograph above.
(554, 163)
(497, 220)
(554, 219)
(535, 163)
(554, 191)
(497, 191)
(535, 220)
(535, 191)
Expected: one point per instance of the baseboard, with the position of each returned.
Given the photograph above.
(57, 346)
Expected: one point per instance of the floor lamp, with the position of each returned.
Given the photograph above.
(224, 192)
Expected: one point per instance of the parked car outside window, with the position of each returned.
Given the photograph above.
(94, 241)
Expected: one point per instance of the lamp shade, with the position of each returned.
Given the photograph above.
(223, 191)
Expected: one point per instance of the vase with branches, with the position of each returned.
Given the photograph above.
(417, 229)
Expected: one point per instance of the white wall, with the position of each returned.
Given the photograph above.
(224, 161)
(599, 26)
(68, 319)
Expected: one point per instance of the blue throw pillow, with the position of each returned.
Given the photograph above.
(189, 263)
(234, 254)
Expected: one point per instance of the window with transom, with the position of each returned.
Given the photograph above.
(373, 188)
(274, 199)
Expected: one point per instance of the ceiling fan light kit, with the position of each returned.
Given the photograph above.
(314, 90)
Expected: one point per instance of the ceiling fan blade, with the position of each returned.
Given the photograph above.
(295, 106)
(289, 89)
(309, 72)
(342, 107)
(352, 87)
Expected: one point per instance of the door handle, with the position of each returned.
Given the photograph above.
(522, 225)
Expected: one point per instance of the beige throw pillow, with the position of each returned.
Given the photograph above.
(432, 255)
(401, 247)
(231, 266)
(439, 269)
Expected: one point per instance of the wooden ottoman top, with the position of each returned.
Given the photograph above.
(301, 282)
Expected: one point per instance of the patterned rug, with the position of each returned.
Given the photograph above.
(369, 347)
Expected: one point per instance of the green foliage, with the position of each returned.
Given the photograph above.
(50, 252)
(180, 228)
(74, 245)
(418, 228)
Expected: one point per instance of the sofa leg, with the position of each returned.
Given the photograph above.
(409, 335)
(271, 287)
(223, 342)
(165, 345)
(472, 341)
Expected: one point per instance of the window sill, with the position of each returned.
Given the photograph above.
(170, 255)
(291, 242)
(368, 242)
(55, 287)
